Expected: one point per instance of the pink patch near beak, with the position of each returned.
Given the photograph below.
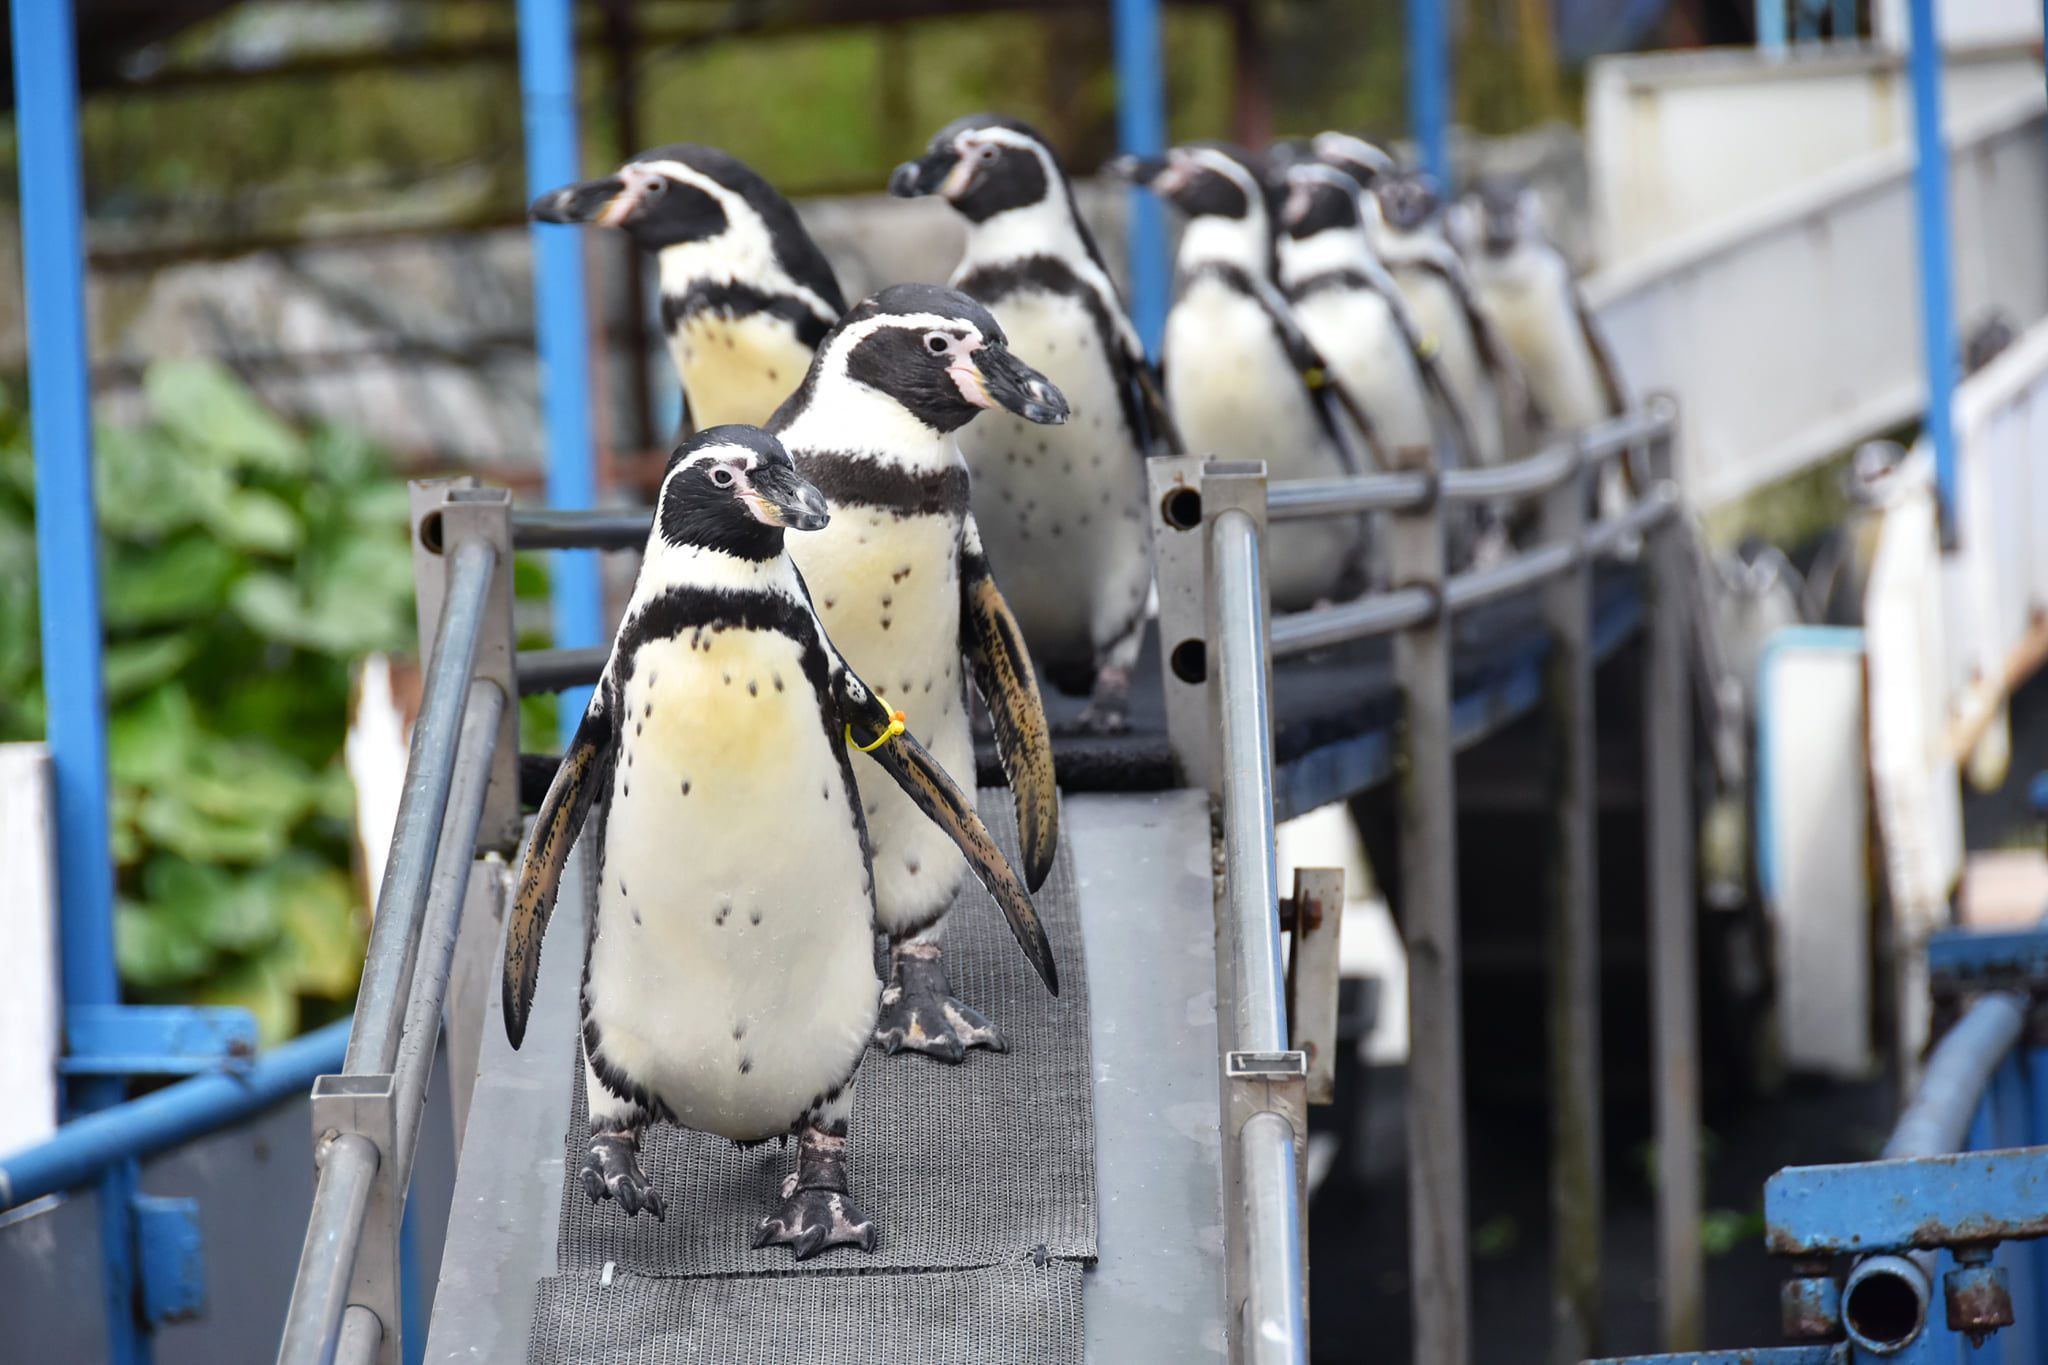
(968, 380)
(628, 199)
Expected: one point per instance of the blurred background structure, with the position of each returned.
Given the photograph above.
(309, 277)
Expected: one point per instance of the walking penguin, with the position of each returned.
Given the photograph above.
(729, 977)
(746, 295)
(1062, 512)
(905, 590)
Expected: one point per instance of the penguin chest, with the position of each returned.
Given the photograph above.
(1357, 332)
(887, 587)
(730, 970)
(1232, 389)
(737, 369)
(1540, 321)
(1061, 508)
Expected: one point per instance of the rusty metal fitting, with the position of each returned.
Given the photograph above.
(1810, 1305)
(1978, 1293)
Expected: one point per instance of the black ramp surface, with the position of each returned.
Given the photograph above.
(987, 1167)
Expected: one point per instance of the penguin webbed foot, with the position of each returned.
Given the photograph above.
(1109, 704)
(919, 1013)
(816, 1211)
(612, 1171)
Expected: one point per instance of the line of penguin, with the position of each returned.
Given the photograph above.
(963, 469)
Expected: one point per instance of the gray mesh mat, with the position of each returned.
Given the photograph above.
(985, 1167)
(1017, 1314)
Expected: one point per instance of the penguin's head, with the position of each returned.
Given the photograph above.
(685, 195)
(1319, 199)
(1507, 211)
(1204, 180)
(940, 356)
(1357, 158)
(1408, 199)
(735, 489)
(983, 165)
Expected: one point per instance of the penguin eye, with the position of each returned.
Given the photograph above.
(937, 342)
(986, 152)
(657, 187)
(722, 477)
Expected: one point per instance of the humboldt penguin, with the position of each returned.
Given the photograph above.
(746, 295)
(1062, 512)
(1326, 272)
(1243, 382)
(1527, 287)
(1477, 364)
(729, 979)
(906, 591)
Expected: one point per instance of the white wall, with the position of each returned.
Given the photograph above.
(29, 1036)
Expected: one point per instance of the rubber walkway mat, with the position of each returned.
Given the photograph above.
(985, 1168)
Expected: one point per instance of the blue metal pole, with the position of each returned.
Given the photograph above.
(1141, 131)
(1937, 304)
(1770, 27)
(165, 1118)
(547, 82)
(1429, 89)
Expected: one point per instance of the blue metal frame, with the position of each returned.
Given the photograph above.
(1770, 27)
(1937, 301)
(547, 84)
(156, 1040)
(1141, 131)
(1429, 89)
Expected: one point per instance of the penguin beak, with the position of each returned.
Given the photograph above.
(1162, 175)
(991, 377)
(604, 202)
(944, 173)
(778, 496)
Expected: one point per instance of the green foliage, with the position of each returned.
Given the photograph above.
(243, 566)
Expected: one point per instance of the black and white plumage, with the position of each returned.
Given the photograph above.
(729, 981)
(746, 295)
(1529, 290)
(905, 590)
(1477, 365)
(1062, 512)
(1243, 382)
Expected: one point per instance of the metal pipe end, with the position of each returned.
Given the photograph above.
(1884, 1305)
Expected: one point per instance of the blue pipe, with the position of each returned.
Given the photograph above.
(1429, 89)
(176, 1114)
(1937, 303)
(1957, 1081)
(547, 84)
(1141, 131)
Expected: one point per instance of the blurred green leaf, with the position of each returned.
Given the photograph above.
(251, 519)
(218, 418)
(134, 666)
(182, 580)
(153, 949)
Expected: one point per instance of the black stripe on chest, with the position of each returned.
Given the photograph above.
(732, 299)
(1344, 277)
(697, 612)
(849, 480)
(991, 284)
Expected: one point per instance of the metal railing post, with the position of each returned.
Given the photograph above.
(1574, 944)
(1180, 566)
(1674, 1004)
(1440, 1294)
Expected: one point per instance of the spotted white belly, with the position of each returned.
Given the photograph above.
(731, 968)
(1236, 396)
(1444, 326)
(738, 369)
(1062, 509)
(888, 590)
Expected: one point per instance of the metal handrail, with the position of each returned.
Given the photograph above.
(550, 529)
(1274, 1331)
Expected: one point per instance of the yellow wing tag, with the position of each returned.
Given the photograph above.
(1313, 376)
(898, 723)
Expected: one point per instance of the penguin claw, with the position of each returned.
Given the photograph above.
(811, 1220)
(612, 1171)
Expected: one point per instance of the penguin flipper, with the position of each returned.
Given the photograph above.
(1603, 359)
(1152, 400)
(940, 798)
(994, 647)
(561, 817)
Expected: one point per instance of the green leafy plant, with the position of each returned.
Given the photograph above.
(244, 566)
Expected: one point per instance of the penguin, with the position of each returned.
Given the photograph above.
(1243, 382)
(1326, 273)
(1477, 365)
(1062, 512)
(729, 980)
(1527, 287)
(906, 590)
(746, 295)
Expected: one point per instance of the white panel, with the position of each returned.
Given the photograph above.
(1811, 766)
(29, 1033)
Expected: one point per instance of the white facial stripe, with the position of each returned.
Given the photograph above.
(1210, 159)
(841, 346)
(745, 251)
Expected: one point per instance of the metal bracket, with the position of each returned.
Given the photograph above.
(1180, 560)
(1315, 917)
(171, 1258)
(1916, 1203)
(1267, 1082)
(1227, 486)
(445, 512)
(156, 1040)
(368, 1106)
